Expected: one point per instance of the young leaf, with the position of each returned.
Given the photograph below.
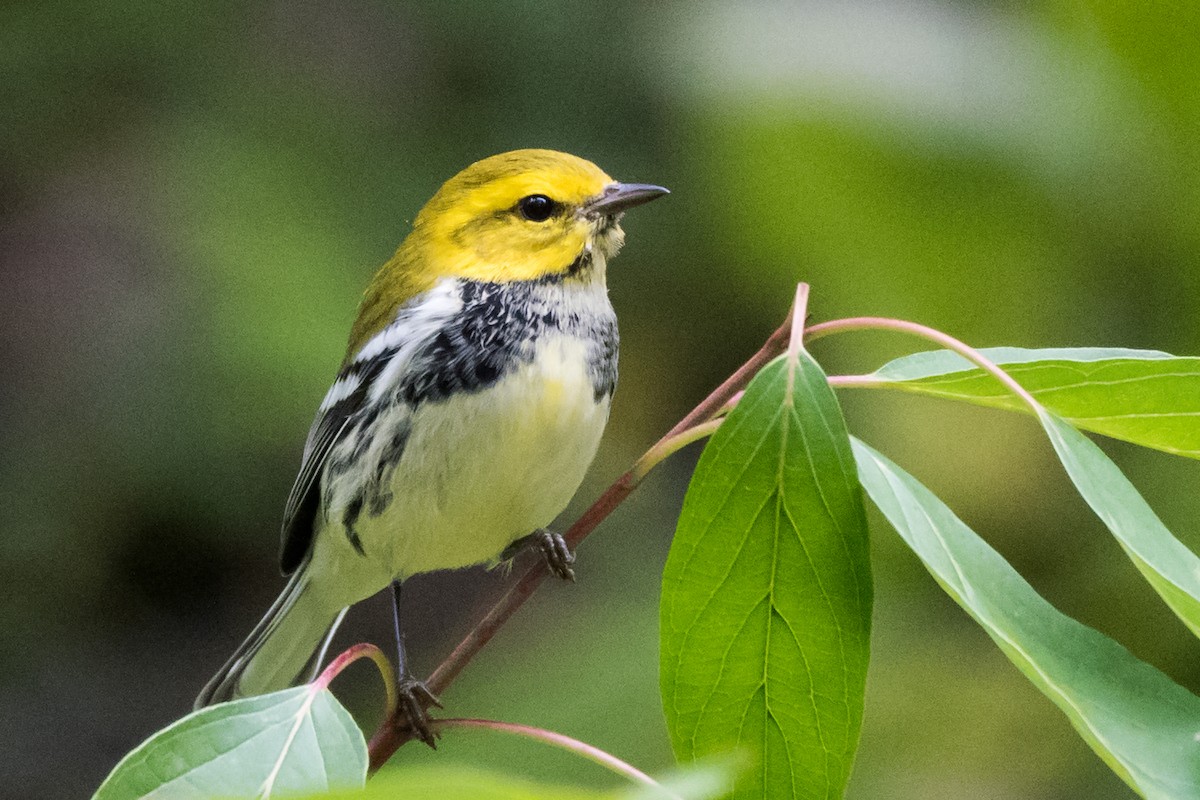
(1141, 396)
(1142, 724)
(295, 741)
(766, 600)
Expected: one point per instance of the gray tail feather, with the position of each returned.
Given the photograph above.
(285, 648)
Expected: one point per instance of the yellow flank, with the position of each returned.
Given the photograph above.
(472, 229)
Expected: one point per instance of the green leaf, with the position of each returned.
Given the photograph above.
(1170, 567)
(766, 600)
(1141, 396)
(298, 740)
(458, 782)
(1102, 381)
(706, 780)
(1142, 724)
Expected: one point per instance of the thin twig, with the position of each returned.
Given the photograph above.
(799, 317)
(393, 732)
(668, 447)
(352, 654)
(856, 382)
(590, 752)
(925, 332)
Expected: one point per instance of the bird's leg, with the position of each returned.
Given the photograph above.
(553, 548)
(414, 696)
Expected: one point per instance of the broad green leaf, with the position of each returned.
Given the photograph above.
(1141, 396)
(1142, 724)
(458, 782)
(1170, 567)
(766, 600)
(295, 741)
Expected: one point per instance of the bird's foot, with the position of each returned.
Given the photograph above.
(558, 556)
(414, 699)
(553, 547)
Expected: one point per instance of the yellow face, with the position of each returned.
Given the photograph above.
(523, 215)
(515, 216)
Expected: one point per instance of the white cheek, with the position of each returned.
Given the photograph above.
(609, 243)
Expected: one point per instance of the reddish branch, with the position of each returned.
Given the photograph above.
(394, 731)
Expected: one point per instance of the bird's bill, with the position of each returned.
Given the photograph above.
(619, 196)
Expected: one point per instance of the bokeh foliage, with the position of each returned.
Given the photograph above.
(193, 196)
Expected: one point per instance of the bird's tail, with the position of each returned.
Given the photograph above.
(285, 648)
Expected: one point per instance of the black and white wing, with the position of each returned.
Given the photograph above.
(334, 419)
(380, 366)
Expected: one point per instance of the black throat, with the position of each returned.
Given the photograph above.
(497, 331)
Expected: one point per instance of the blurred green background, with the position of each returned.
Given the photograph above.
(193, 196)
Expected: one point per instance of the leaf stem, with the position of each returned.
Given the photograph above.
(856, 382)
(562, 741)
(915, 329)
(669, 446)
(799, 315)
(393, 731)
(353, 654)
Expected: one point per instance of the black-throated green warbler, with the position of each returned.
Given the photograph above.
(471, 401)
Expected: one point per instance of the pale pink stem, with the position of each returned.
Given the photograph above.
(799, 317)
(670, 446)
(562, 741)
(915, 329)
(855, 382)
(353, 654)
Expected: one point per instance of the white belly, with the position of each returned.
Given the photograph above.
(480, 470)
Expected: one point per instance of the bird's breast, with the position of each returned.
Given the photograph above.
(481, 469)
(484, 434)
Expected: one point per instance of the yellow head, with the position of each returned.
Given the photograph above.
(523, 215)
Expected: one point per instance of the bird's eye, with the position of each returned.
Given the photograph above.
(536, 207)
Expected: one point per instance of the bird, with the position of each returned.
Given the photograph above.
(471, 400)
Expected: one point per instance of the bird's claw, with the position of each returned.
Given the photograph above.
(559, 557)
(414, 699)
(553, 547)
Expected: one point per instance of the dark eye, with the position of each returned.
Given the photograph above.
(536, 207)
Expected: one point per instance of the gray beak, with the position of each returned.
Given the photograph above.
(619, 196)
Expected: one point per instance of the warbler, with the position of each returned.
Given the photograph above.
(472, 398)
